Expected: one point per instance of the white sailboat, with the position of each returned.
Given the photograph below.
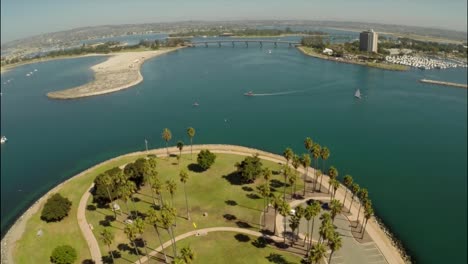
(357, 94)
(3, 139)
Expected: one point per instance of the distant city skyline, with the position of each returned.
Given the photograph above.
(24, 18)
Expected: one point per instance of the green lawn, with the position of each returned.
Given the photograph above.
(32, 249)
(214, 191)
(224, 247)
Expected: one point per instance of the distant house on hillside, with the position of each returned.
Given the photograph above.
(327, 51)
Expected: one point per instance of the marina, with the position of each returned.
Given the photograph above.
(423, 63)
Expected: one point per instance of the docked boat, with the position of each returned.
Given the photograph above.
(3, 139)
(250, 93)
(357, 94)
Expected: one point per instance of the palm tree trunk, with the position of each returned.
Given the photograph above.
(308, 224)
(128, 209)
(364, 229)
(112, 254)
(344, 201)
(167, 149)
(274, 226)
(136, 251)
(311, 233)
(359, 211)
(284, 230)
(134, 207)
(186, 204)
(329, 259)
(161, 243)
(321, 179)
(284, 189)
(351, 204)
(292, 193)
(305, 180)
(110, 203)
(144, 246)
(264, 211)
(174, 242)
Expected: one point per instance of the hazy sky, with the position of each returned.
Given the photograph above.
(22, 18)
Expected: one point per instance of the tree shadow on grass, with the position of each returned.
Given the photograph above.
(253, 196)
(229, 217)
(233, 178)
(231, 202)
(91, 207)
(247, 188)
(242, 238)
(276, 258)
(243, 224)
(108, 258)
(277, 184)
(107, 220)
(195, 168)
(90, 261)
(262, 242)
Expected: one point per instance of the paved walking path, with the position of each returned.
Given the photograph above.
(86, 229)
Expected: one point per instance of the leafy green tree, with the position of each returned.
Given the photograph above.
(305, 162)
(187, 254)
(167, 136)
(183, 179)
(335, 244)
(56, 208)
(135, 171)
(180, 146)
(63, 255)
(205, 159)
(191, 134)
(153, 218)
(249, 169)
(326, 228)
(107, 237)
(348, 182)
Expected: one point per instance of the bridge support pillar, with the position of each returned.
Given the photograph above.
(219, 44)
(206, 44)
(261, 45)
(290, 45)
(276, 45)
(246, 44)
(233, 44)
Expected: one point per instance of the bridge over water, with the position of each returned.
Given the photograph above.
(245, 42)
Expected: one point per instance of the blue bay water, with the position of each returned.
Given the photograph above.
(405, 141)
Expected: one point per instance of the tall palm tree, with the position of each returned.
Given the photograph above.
(180, 146)
(288, 154)
(154, 218)
(284, 210)
(167, 136)
(171, 187)
(131, 232)
(183, 179)
(316, 154)
(296, 162)
(335, 185)
(318, 173)
(363, 196)
(317, 252)
(187, 254)
(126, 192)
(348, 182)
(326, 227)
(108, 182)
(153, 182)
(355, 189)
(265, 192)
(324, 154)
(335, 207)
(305, 162)
(308, 143)
(335, 244)
(286, 172)
(167, 220)
(294, 221)
(333, 173)
(368, 212)
(267, 174)
(140, 227)
(276, 205)
(315, 209)
(300, 212)
(107, 237)
(292, 179)
(157, 186)
(191, 134)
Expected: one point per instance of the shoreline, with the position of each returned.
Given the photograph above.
(16, 231)
(120, 71)
(381, 66)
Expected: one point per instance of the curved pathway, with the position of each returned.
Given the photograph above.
(86, 229)
(382, 241)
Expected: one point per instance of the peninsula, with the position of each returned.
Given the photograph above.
(119, 72)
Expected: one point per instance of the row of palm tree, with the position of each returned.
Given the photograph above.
(167, 136)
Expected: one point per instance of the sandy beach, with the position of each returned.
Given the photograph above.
(120, 71)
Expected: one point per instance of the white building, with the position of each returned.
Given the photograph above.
(327, 51)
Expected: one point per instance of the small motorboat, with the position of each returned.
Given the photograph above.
(3, 139)
(357, 94)
(35, 70)
(269, 51)
(195, 104)
(28, 74)
(250, 93)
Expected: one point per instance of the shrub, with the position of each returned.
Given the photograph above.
(56, 208)
(249, 169)
(63, 255)
(205, 159)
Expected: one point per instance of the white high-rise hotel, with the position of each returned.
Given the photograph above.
(368, 41)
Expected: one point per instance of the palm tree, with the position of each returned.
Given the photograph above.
(314, 210)
(368, 212)
(355, 190)
(131, 232)
(326, 228)
(300, 212)
(126, 192)
(318, 173)
(335, 244)
(187, 254)
(316, 253)
(292, 179)
(308, 143)
(140, 227)
(183, 179)
(108, 182)
(153, 218)
(153, 183)
(171, 187)
(296, 162)
(191, 134)
(362, 195)
(267, 174)
(284, 210)
(157, 186)
(305, 162)
(286, 173)
(107, 237)
(167, 136)
(324, 154)
(167, 219)
(288, 155)
(333, 173)
(180, 146)
(294, 224)
(335, 207)
(316, 154)
(335, 184)
(348, 182)
(265, 192)
(276, 205)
